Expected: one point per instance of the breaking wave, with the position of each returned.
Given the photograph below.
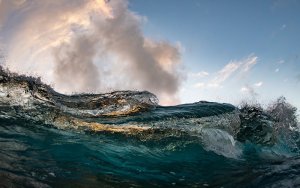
(125, 138)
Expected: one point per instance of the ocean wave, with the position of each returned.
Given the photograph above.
(124, 134)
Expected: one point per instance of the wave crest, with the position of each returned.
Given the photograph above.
(138, 114)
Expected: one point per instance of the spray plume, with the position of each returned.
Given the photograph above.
(87, 46)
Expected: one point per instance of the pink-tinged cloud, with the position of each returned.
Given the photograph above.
(88, 46)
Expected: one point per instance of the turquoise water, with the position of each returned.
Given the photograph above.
(125, 139)
(36, 155)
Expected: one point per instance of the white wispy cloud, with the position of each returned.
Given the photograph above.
(200, 85)
(224, 74)
(229, 70)
(281, 62)
(244, 89)
(277, 70)
(258, 84)
(248, 63)
(200, 74)
(249, 91)
(244, 65)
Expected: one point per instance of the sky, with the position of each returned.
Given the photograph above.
(182, 50)
(231, 50)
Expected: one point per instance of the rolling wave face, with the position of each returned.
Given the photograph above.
(125, 138)
(26, 97)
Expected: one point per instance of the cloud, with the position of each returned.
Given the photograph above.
(281, 62)
(233, 67)
(248, 63)
(89, 46)
(201, 74)
(243, 66)
(277, 70)
(224, 74)
(249, 91)
(200, 85)
(258, 84)
(244, 89)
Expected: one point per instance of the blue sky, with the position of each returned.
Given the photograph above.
(231, 50)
